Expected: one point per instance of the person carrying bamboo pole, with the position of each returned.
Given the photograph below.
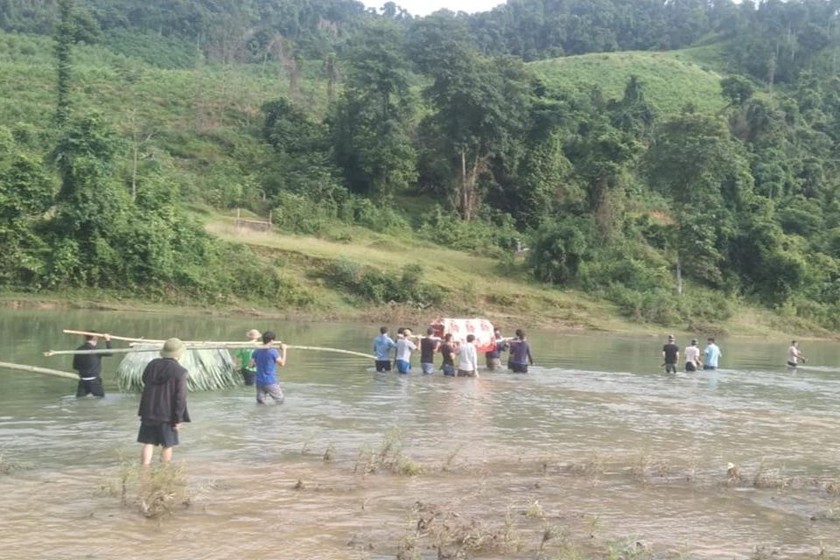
(89, 367)
(163, 405)
(266, 358)
(243, 355)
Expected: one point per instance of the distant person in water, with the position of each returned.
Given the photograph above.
(468, 358)
(711, 354)
(520, 353)
(428, 346)
(692, 356)
(494, 356)
(382, 346)
(794, 355)
(89, 367)
(266, 358)
(671, 355)
(404, 349)
(447, 350)
(243, 355)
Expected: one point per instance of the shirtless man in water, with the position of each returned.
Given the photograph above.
(794, 355)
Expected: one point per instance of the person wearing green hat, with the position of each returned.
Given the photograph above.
(243, 355)
(163, 404)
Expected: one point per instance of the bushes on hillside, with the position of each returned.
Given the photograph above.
(377, 286)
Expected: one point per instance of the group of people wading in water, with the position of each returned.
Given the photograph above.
(466, 365)
(711, 355)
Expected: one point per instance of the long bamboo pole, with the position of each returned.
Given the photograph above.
(101, 335)
(35, 369)
(205, 346)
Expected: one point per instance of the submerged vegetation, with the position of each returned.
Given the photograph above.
(683, 180)
(154, 492)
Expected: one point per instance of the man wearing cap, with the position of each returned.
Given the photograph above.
(266, 358)
(671, 355)
(163, 405)
(243, 355)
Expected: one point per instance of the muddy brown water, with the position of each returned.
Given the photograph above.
(595, 453)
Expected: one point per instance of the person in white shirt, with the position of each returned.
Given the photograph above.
(692, 356)
(404, 349)
(794, 355)
(468, 358)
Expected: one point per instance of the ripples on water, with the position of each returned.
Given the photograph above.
(657, 446)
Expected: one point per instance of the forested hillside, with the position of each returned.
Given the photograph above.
(677, 159)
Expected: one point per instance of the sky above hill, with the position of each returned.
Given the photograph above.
(426, 7)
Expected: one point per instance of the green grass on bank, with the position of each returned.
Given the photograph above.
(475, 285)
(671, 80)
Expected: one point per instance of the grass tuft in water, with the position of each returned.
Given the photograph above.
(155, 492)
(766, 477)
(535, 510)
(591, 468)
(388, 457)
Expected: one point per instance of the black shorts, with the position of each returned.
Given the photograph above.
(792, 364)
(158, 434)
(248, 376)
(383, 365)
(92, 387)
(519, 368)
(690, 366)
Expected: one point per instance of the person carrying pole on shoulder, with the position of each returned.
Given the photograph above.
(246, 368)
(89, 367)
(266, 358)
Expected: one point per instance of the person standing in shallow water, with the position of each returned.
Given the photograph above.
(711, 354)
(794, 355)
(266, 359)
(163, 404)
(494, 356)
(246, 367)
(692, 356)
(428, 346)
(468, 358)
(447, 350)
(382, 346)
(520, 353)
(671, 355)
(404, 349)
(89, 367)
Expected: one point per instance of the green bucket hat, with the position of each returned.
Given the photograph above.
(172, 348)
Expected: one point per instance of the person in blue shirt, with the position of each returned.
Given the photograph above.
(266, 359)
(382, 346)
(711, 354)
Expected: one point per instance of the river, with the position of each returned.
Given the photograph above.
(594, 454)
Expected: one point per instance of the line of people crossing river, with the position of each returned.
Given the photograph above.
(457, 358)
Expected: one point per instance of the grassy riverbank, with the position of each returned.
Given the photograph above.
(471, 285)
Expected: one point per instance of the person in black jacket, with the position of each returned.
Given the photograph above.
(163, 405)
(89, 367)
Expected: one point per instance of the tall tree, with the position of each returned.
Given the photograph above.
(64, 38)
(480, 107)
(371, 125)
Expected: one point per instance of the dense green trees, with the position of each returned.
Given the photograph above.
(653, 211)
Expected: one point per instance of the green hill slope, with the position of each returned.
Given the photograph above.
(671, 80)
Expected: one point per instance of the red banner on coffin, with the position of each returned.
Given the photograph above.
(460, 328)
